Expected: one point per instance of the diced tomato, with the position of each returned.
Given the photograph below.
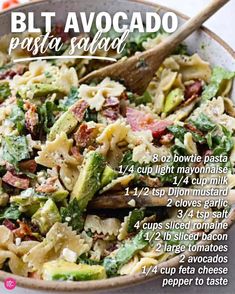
(160, 128)
(15, 181)
(139, 120)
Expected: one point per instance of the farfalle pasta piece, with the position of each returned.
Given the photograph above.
(231, 180)
(8, 250)
(107, 226)
(57, 79)
(59, 237)
(68, 175)
(232, 154)
(99, 249)
(95, 95)
(168, 79)
(193, 67)
(144, 150)
(214, 109)
(127, 268)
(142, 264)
(118, 183)
(190, 145)
(229, 107)
(123, 231)
(17, 52)
(16, 265)
(56, 153)
(112, 135)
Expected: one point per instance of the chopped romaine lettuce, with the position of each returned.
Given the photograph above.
(135, 216)
(219, 74)
(138, 100)
(15, 149)
(73, 215)
(203, 123)
(5, 91)
(70, 100)
(125, 253)
(11, 212)
(46, 114)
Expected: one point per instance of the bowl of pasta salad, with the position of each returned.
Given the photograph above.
(71, 154)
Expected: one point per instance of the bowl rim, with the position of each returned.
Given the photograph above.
(122, 281)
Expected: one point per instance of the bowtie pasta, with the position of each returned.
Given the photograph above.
(64, 147)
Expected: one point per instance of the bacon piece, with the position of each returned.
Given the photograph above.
(23, 230)
(111, 108)
(111, 113)
(111, 101)
(193, 129)
(139, 120)
(10, 225)
(123, 96)
(9, 74)
(193, 90)
(79, 109)
(48, 186)
(16, 181)
(31, 117)
(75, 152)
(84, 136)
(166, 139)
(28, 165)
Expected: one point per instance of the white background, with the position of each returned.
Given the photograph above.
(223, 24)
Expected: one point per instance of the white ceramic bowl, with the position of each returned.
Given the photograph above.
(209, 46)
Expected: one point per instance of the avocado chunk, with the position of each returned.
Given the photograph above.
(28, 201)
(108, 175)
(59, 195)
(46, 216)
(63, 270)
(66, 123)
(173, 99)
(89, 179)
(38, 90)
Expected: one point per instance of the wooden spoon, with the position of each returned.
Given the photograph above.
(137, 71)
(119, 200)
